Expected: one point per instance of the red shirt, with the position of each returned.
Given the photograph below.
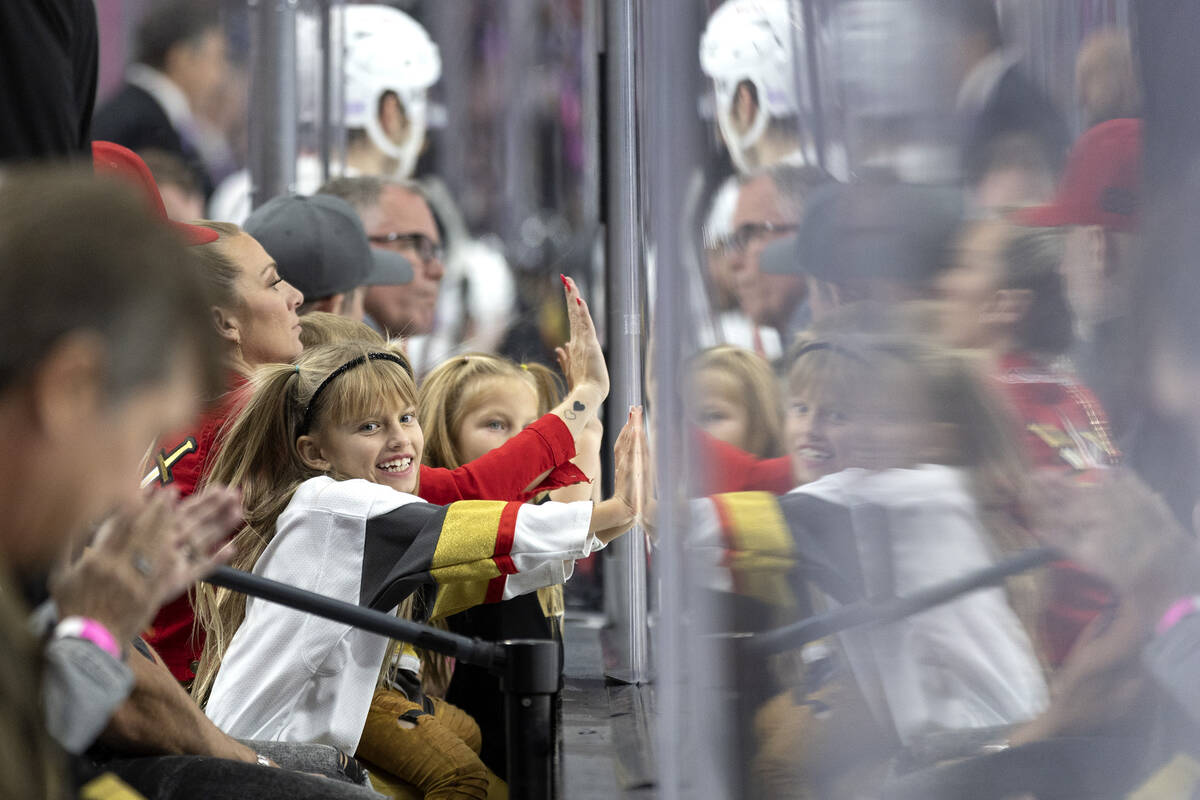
(183, 459)
(503, 474)
(1064, 428)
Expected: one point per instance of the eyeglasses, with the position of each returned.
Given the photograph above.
(739, 240)
(426, 249)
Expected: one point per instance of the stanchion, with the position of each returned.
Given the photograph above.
(529, 679)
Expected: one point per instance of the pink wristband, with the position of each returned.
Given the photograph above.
(89, 630)
(1178, 610)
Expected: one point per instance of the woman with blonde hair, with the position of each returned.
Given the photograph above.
(255, 314)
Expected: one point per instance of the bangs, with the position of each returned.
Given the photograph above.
(827, 375)
(494, 385)
(708, 381)
(371, 388)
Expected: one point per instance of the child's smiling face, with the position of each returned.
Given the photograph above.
(383, 447)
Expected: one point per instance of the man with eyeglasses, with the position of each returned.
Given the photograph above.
(769, 206)
(397, 217)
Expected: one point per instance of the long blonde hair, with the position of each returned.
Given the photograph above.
(258, 455)
(755, 386)
(448, 394)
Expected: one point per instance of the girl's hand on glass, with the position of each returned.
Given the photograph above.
(582, 359)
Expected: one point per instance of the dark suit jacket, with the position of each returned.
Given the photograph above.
(1016, 105)
(48, 62)
(133, 118)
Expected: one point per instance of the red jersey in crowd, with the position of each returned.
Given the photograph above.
(1063, 428)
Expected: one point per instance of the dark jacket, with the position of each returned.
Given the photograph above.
(133, 118)
(1016, 105)
(48, 63)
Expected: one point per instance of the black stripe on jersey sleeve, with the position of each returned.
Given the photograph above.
(825, 542)
(398, 553)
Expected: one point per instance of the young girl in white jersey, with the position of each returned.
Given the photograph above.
(327, 455)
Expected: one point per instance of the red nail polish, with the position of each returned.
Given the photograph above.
(563, 278)
(579, 300)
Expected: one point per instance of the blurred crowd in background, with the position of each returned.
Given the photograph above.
(938, 308)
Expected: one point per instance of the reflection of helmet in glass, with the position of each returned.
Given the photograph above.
(388, 51)
(752, 41)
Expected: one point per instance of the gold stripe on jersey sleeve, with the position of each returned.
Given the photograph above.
(462, 563)
(760, 549)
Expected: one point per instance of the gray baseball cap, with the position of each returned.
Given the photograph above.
(321, 247)
(869, 230)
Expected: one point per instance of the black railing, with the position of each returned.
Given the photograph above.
(527, 668)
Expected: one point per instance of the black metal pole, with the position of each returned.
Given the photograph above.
(472, 651)
(530, 683)
(807, 630)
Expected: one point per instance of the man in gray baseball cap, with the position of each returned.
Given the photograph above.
(321, 248)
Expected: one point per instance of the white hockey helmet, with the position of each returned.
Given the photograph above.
(753, 41)
(388, 51)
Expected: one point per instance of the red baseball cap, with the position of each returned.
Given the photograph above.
(1102, 183)
(109, 158)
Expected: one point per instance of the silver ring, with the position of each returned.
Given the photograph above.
(142, 565)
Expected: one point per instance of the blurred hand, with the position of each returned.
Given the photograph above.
(1100, 683)
(1116, 527)
(581, 359)
(143, 557)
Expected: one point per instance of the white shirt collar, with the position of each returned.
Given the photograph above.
(981, 81)
(164, 90)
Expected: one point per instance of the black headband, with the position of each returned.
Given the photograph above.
(349, 365)
(811, 346)
(831, 346)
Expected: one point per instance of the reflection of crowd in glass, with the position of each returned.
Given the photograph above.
(914, 379)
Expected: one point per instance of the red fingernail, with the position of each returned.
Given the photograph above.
(564, 280)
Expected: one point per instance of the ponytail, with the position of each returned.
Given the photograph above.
(257, 454)
(546, 383)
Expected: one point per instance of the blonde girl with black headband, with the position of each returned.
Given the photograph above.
(326, 454)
